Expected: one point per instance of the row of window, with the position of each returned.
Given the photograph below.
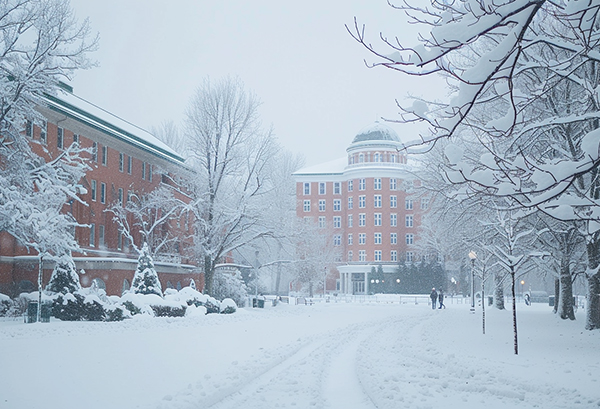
(362, 203)
(125, 161)
(378, 255)
(377, 157)
(377, 239)
(337, 186)
(362, 220)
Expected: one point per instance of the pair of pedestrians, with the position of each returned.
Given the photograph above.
(435, 297)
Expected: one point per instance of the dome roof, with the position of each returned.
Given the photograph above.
(376, 132)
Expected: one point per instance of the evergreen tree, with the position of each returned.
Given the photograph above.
(64, 277)
(145, 280)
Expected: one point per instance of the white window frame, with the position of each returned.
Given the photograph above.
(322, 205)
(362, 219)
(377, 184)
(377, 219)
(306, 206)
(377, 201)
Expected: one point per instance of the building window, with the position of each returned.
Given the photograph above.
(350, 239)
(393, 238)
(377, 202)
(93, 190)
(349, 220)
(393, 220)
(322, 222)
(101, 235)
(424, 203)
(120, 195)
(410, 238)
(104, 155)
(393, 183)
(120, 242)
(350, 203)
(92, 235)
(76, 139)
(377, 218)
(377, 238)
(362, 220)
(337, 205)
(307, 205)
(322, 189)
(393, 201)
(377, 183)
(408, 204)
(393, 158)
(321, 205)
(362, 201)
(361, 158)
(144, 170)
(60, 135)
(377, 255)
(350, 255)
(409, 220)
(129, 195)
(362, 238)
(362, 255)
(129, 164)
(95, 152)
(350, 186)
(394, 255)
(337, 240)
(43, 131)
(337, 188)
(306, 188)
(337, 222)
(121, 162)
(307, 220)
(362, 184)
(102, 192)
(29, 129)
(409, 256)
(377, 157)
(150, 173)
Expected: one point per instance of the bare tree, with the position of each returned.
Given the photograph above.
(229, 152)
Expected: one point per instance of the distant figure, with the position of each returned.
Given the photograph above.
(433, 296)
(441, 299)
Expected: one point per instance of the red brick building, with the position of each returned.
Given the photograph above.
(125, 159)
(368, 202)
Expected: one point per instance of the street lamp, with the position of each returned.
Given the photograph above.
(473, 257)
(522, 284)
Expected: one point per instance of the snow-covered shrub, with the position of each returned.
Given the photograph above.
(228, 306)
(19, 306)
(115, 313)
(5, 305)
(145, 280)
(140, 303)
(64, 277)
(230, 285)
(193, 311)
(168, 310)
(189, 296)
(212, 306)
(78, 307)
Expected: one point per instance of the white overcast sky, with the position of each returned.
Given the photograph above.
(296, 56)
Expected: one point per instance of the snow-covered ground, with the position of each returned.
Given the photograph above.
(328, 355)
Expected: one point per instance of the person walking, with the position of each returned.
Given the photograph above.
(441, 299)
(434, 297)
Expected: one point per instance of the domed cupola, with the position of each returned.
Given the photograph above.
(376, 144)
(376, 132)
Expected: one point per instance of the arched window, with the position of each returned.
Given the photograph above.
(393, 158)
(126, 286)
(377, 157)
(178, 285)
(100, 283)
(361, 158)
(169, 285)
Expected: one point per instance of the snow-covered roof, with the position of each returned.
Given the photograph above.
(376, 132)
(328, 168)
(98, 118)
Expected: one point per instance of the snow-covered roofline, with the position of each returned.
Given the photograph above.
(78, 108)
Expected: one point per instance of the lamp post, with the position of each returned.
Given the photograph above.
(473, 257)
(522, 284)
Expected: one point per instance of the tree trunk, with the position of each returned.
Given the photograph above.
(565, 301)
(278, 279)
(593, 301)
(514, 312)
(209, 275)
(556, 294)
(40, 285)
(498, 292)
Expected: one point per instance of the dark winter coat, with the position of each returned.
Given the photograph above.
(433, 296)
(441, 297)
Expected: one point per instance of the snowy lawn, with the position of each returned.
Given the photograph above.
(334, 355)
